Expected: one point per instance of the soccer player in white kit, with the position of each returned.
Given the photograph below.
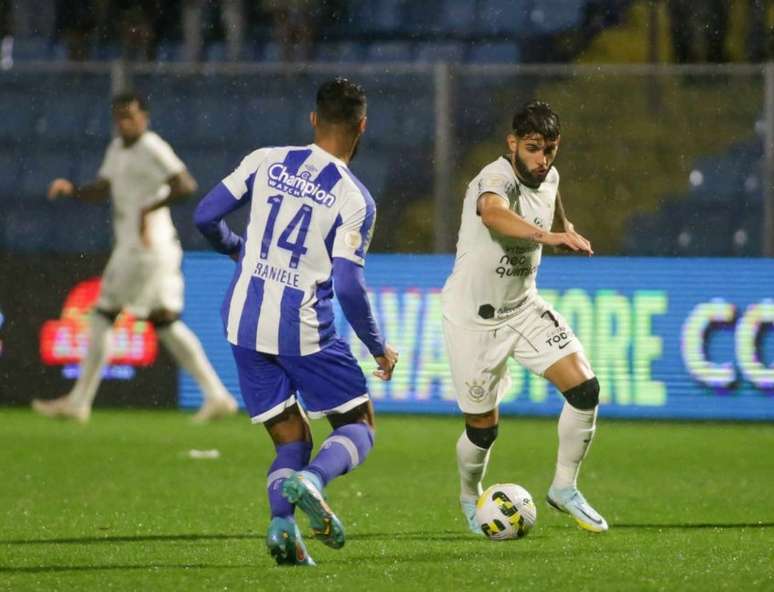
(311, 221)
(142, 175)
(492, 311)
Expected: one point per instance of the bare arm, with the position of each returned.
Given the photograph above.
(181, 186)
(560, 222)
(497, 216)
(97, 190)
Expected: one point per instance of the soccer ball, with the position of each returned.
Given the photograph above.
(506, 511)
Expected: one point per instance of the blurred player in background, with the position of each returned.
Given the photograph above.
(492, 311)
(311, 221)
(143, 176)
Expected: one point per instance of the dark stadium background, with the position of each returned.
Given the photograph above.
(667, 153)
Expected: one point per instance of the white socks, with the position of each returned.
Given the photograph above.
(185, 347)
(576, 430)
(85, 389)
(471, 462)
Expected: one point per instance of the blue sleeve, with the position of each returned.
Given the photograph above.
(208, 218)
(349, 284)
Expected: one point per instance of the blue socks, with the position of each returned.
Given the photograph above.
(342, 451)
(290, 458)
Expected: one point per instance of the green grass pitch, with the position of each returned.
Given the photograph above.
(119, 505)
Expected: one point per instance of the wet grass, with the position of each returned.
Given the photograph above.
(119, 504)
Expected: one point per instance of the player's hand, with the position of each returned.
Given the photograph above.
(386, 363)
(582, 239)
(570, 240)
(60, 188)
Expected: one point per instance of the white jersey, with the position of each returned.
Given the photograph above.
(494, 276)
(138, 177)
(306, 208)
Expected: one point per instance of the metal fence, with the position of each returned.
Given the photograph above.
(654, 160)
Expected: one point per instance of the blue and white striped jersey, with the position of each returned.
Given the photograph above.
(306, 208)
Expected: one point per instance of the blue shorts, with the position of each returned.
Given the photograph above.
(328, 381)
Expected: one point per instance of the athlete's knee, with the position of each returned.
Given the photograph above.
(482, 437)
(357, 425)
(163, 318)
(363, 413)
(483, 420)
(585, 396)
(110, 315)
(288, 427)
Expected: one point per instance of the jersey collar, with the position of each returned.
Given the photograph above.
(327, 154)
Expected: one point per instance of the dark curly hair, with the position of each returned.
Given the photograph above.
(536, 117)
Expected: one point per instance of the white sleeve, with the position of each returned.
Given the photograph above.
(353, 235)
(494, 183)
(165, 157)
(106, 170)
(238, 182)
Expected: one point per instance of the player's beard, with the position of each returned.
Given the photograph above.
(525, 174)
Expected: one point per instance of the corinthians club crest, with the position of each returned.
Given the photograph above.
(476, 390)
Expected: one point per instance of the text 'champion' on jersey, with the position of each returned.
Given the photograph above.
(306, 207)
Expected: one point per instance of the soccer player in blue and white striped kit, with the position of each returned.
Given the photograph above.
(310, 224)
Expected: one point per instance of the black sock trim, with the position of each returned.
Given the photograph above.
(482, 437)
(585, 396)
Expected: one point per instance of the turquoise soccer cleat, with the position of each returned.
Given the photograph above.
(300, 489)
(286, 544)
(468, 507)
(571, 501)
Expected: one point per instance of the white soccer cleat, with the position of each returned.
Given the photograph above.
(468, 506)
(61, 408)
(213, 409)
(572, 502)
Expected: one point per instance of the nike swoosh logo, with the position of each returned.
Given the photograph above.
(592, 519)
(564, 345)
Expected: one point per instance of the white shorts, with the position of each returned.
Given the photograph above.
(142, 281)
(537, 337)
